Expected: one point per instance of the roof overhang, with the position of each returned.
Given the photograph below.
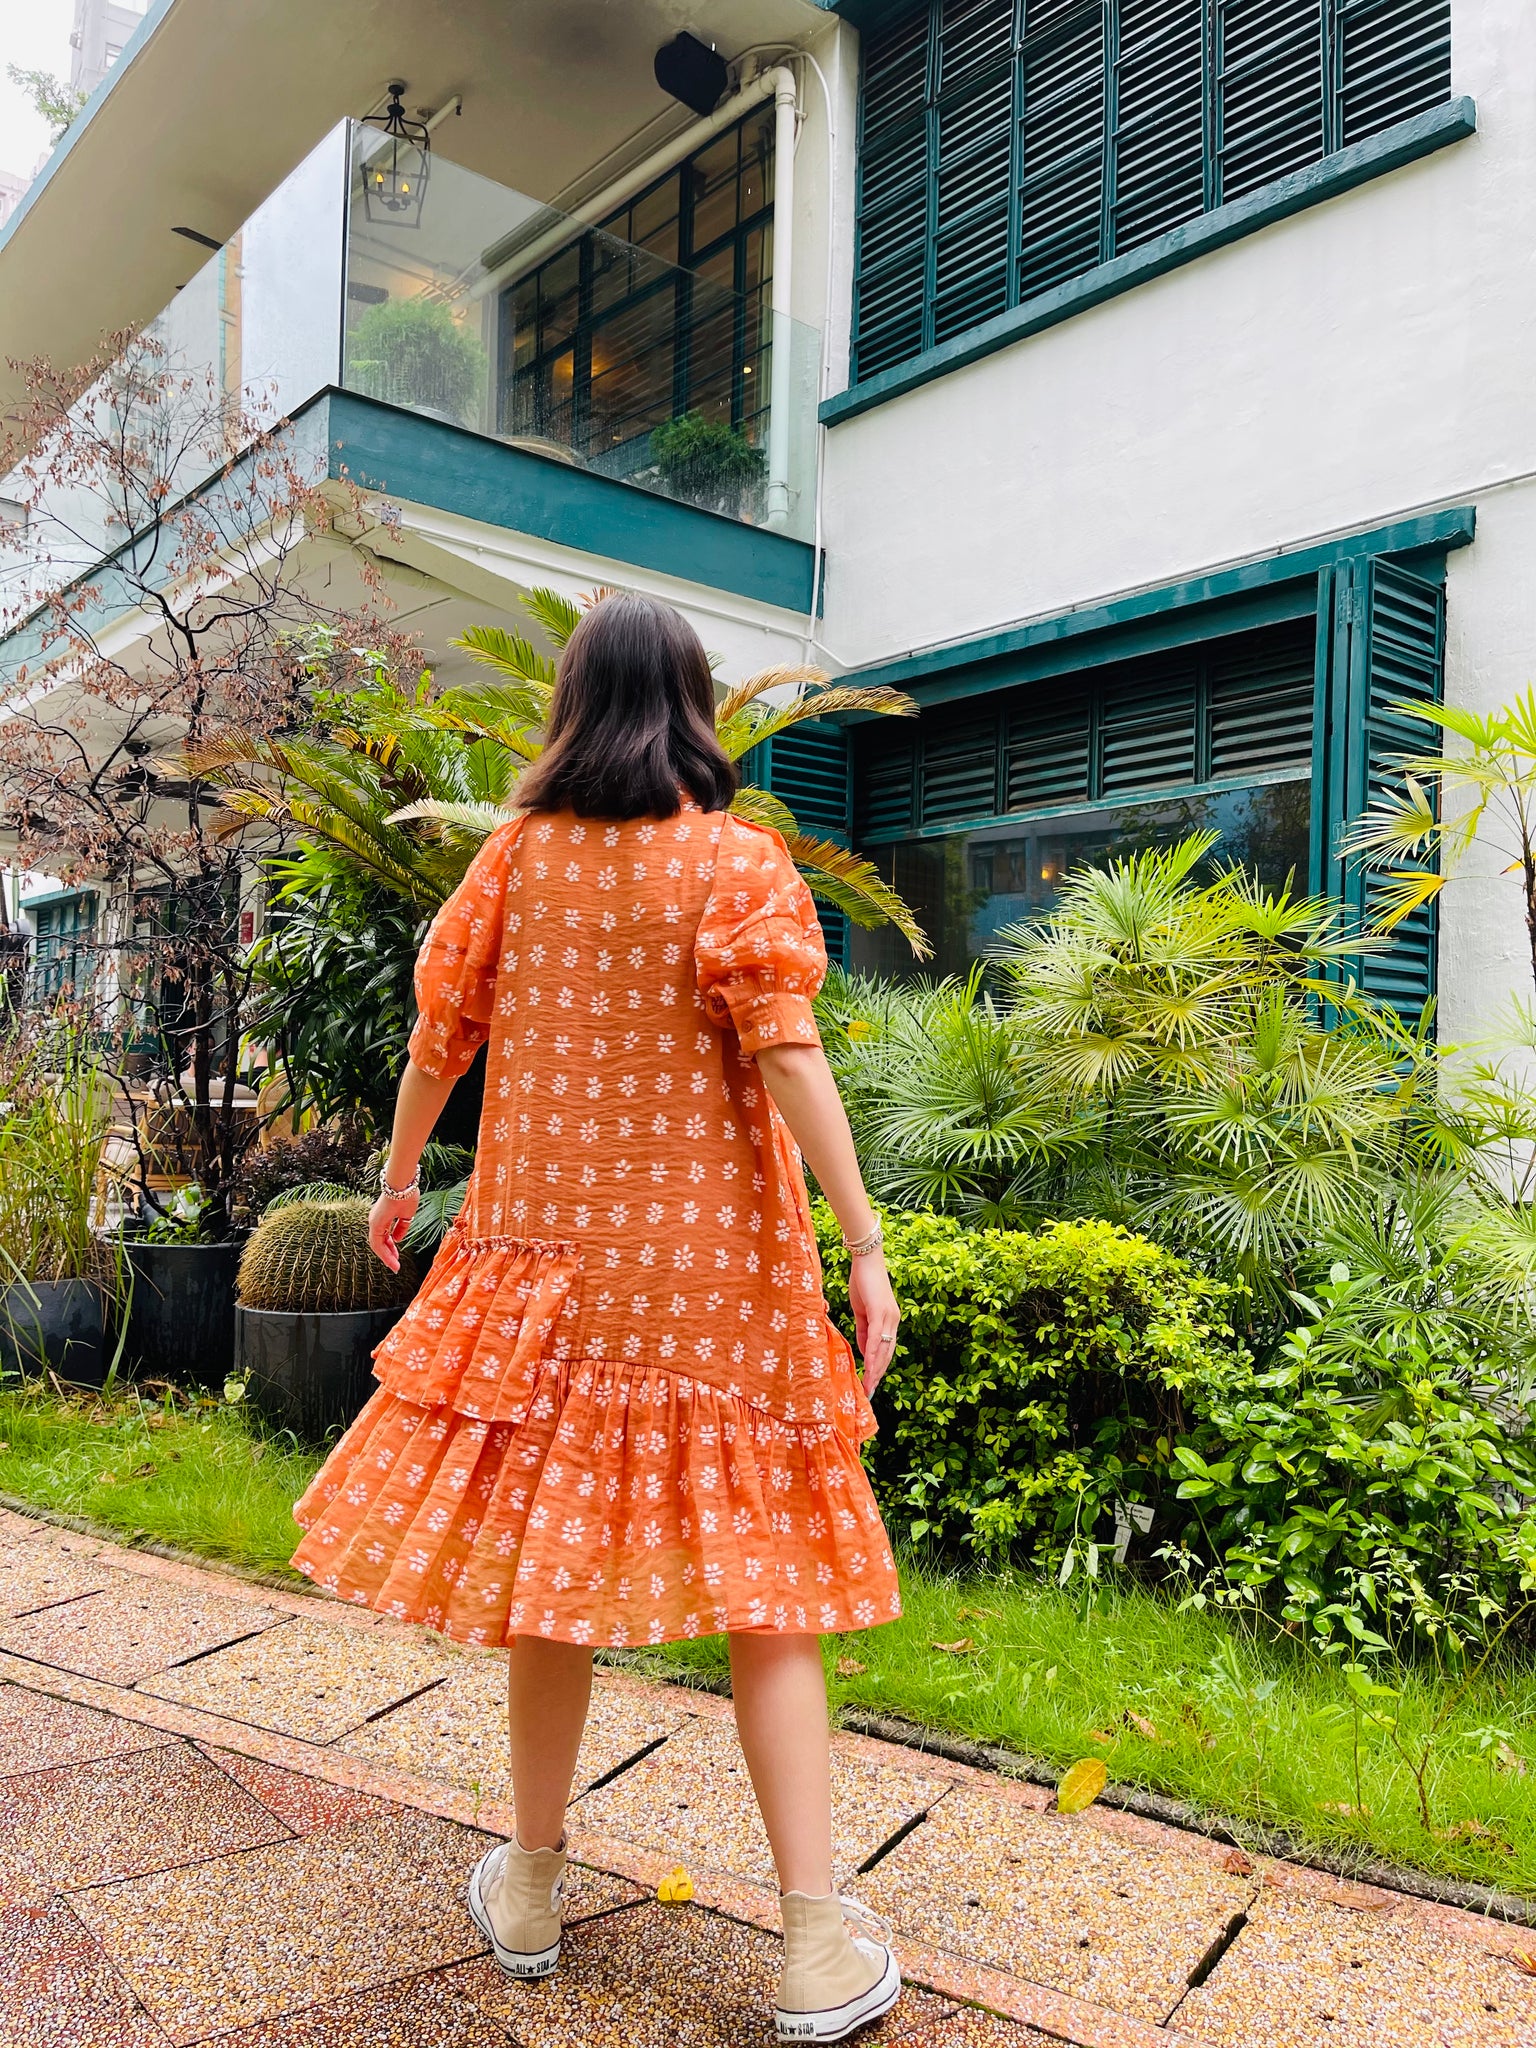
(211, 106)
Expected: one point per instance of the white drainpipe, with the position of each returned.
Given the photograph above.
(785, 112)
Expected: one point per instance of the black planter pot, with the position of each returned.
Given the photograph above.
(309, 1373)
(56, 1326)
(181, 1318)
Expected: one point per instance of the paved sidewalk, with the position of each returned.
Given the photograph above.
(248, 1815)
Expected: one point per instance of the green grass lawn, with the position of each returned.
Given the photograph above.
(1189, 1704)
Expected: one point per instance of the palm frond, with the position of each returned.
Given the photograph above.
(478, 820)
(856, 887)
(558, 617)
(508, 653)
(785, 677)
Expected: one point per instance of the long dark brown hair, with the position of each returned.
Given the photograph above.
(633, 719)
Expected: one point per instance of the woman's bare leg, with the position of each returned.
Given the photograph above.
(549, 1685)
(780, 1692)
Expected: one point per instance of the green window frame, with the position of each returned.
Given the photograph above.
(662, 308)
(1245, 681)
(1009, 146)
(64, 958)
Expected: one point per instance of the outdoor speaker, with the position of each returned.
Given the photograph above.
(691, 72)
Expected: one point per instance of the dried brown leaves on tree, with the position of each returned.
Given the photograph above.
(177, 543)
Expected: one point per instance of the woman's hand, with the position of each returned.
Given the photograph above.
(876, 1317)
(388, 1221)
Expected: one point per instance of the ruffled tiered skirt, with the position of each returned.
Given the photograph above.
(493, 1488)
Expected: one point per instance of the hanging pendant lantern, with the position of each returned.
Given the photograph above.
(395, 172)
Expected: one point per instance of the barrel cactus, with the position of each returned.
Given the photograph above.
(313, 1258)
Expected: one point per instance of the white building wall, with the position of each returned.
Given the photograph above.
(1365, 359)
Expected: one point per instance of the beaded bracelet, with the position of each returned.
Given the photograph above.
(871, 1241)
(412, 1186)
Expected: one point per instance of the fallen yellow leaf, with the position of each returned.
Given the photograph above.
(961, 1647)
(858, 1028)
(1081, 1785)
(1475, 1831)
(1523, 1961)
(1344, 1810)
(676, 1888)
(850, 1667)
(1143, 1727)
(976, 1614)
(1504, 1758)
(1100, 1735)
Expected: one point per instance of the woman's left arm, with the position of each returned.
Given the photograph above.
(417, 1109)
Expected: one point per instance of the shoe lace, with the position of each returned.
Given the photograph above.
(866, 1921)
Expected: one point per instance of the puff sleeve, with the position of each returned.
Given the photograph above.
(456, 967)
(759, 954)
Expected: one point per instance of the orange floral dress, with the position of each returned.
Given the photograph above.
(617, 1411)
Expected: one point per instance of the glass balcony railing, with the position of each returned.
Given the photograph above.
(499, 314)
(503, 316)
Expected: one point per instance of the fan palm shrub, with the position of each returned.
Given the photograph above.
(1186, 1056)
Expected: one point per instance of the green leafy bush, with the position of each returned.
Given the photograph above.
(1033, 1372)
(1370, 1487)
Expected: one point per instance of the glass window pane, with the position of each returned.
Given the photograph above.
(967, 888)
(757, 163)
(559, 297)
(653, 211)
(712, 175)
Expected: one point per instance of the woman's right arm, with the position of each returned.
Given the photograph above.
(417, 1109)
(805, 1095)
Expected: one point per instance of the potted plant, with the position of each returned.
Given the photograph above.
(181, 1312)
(313, 1303)
(708, 463)
(57, 1277)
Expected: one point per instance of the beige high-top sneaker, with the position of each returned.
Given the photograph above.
(514, 1900)
(833, 1980)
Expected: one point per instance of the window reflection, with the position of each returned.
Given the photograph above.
(967, 887)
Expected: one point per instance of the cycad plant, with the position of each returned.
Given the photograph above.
(403, 785)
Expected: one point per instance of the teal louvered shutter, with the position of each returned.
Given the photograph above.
(1006, 146)
(1148, 729)
(1392, 59)
(1050, 748)
(895, 176)
(972, 148)
(1269, 100)
(1387, 647)
(1159, 119)
(1260, 705)
(1061, 114)
(959, 773)
(885, 780)
(808, 768)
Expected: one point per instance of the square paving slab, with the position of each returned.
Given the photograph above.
(39, 1574)
(1304, 1971)
(457, 1733)
(311, 1679)
(416, 2014)
(132, 1630)
(1063, 1902)
(120, 1816)
(224, 1945)
(664, 1977)
(56, 1986)
(300, 1803)
(37, 1732)
(693, 1799)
